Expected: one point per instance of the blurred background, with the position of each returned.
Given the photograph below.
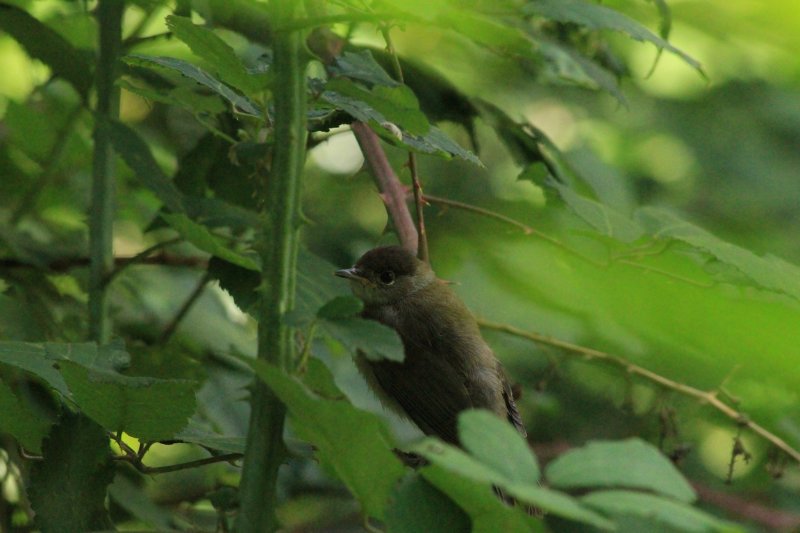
(720, 151)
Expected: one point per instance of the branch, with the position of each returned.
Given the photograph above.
(392, 191)
(64, 264)
(137, 463)
(707, 397)
(170, 328)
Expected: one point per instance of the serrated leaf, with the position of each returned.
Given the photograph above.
(495, 442)
(769, 271)
(136, 154)
(44, 44)
(656, 510)
(373, 339)
(419, 506)
(599, 17)
(319, 379)
(601, 217)
(242, 104)
(134, 405)
(195, 433)
(22, 422)
(397, 105)
(353, 443)
(341, 307)
(362, 66)
(68, 487)
(241, 283)
(201, 237)
(631, 463)
(457, 461)
(208, 45)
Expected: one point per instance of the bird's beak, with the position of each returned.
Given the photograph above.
(349, 273)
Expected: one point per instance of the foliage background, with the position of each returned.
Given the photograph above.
(719, 152)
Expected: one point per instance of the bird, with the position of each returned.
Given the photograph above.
(448, 367)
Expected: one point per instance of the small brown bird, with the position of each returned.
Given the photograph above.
(448, 367)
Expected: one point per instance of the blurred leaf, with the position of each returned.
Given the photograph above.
(22, 422)
(241, 103)
(341, 307)
(353, 443)
(630, 463)
(769, 271)
(568, 65)
(49, 47)
(497, 443)
(147, 408)
(206, 44)
(362, 66)
(241, 283)
(135, 500)
(359, 335)
(418, 506)
(457, 461)
(598, 17)
(656, 510)
(136, 154)
(601, 217)
(68, 487)
(197, 434)
(318, 378)
(201, 237)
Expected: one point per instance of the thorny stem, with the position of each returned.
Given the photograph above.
(707, 397)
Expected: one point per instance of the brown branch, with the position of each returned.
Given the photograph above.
(773, 519)
(391, 190)
(137, 463)
(707, 397)
(63, 264)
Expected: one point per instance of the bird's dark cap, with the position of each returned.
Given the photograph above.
(394, 258)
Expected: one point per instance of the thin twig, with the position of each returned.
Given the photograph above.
(170, 328)
(707, 397)
(422, 237)
(143, 468)
(138, 258)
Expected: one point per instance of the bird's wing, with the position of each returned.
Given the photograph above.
(431, 394)
(511, 405)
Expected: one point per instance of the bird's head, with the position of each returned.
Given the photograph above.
(386, 275)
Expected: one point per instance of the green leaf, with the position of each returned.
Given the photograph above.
(241, 283)
(49, 47)
(353, 443)
(369, 337)
(135, 500)
(320, 381)
(656, 510)
(341, 307)
(598, 17)
(601, 217)
(458, 462)
(68, 487)
(147, 408)
(195, 433)
(419, 506)
(362, 66)
(769, 271)
(199, 235)
(241, 103)
(22, 422)
(496, 443)
(397, 105)
(207, 44)
(136, 154)
(630, 463)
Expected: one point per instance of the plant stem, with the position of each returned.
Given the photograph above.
(265, 450)
(101, 216)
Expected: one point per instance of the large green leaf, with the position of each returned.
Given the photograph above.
(369, 337)
(147, 408)
(458, 462)
(656, 510)
(68, 487)
(352, 443)
(418, 506)
(44, 44)
(22, 422)
(631, 463)
(201, 237)
(362, 66)
(208, 45)
(601, 18)
(241, 103)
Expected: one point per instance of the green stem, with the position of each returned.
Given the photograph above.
(101, 217)
(265, 450)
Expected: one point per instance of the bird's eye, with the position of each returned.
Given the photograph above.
(386, 277)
